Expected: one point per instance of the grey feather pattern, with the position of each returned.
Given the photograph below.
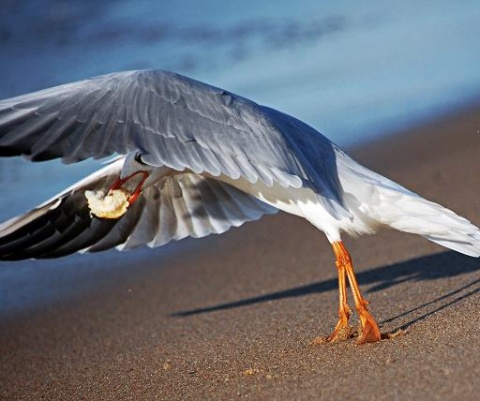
(184, 205)
(171, 121)
(176, 206)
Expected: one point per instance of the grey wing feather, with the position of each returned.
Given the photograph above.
(174, 121)
(190, 205)
(173, 208)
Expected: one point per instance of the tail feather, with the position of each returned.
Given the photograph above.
(378, 200)
(413, 214)
(461, 245)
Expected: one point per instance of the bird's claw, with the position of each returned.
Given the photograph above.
(342, 332)
(368, 331)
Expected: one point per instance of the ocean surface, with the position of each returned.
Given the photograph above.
(353, 70)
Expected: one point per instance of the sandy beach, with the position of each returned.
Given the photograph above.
(232, 316)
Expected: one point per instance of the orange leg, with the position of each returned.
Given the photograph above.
(369, 328)
(342, 330)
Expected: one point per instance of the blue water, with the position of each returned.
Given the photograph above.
(354, 70)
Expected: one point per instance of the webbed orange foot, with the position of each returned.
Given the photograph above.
(369, 331)
(343, 331)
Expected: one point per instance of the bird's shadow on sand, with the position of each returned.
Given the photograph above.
(432, 267)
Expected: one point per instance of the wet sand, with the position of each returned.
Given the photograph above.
(232, 316)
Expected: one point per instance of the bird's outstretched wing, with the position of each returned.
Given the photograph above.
(173, 121)
(177, 206)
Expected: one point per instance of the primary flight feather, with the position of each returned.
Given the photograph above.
(193, 160)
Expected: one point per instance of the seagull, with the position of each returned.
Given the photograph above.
(190, 159)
